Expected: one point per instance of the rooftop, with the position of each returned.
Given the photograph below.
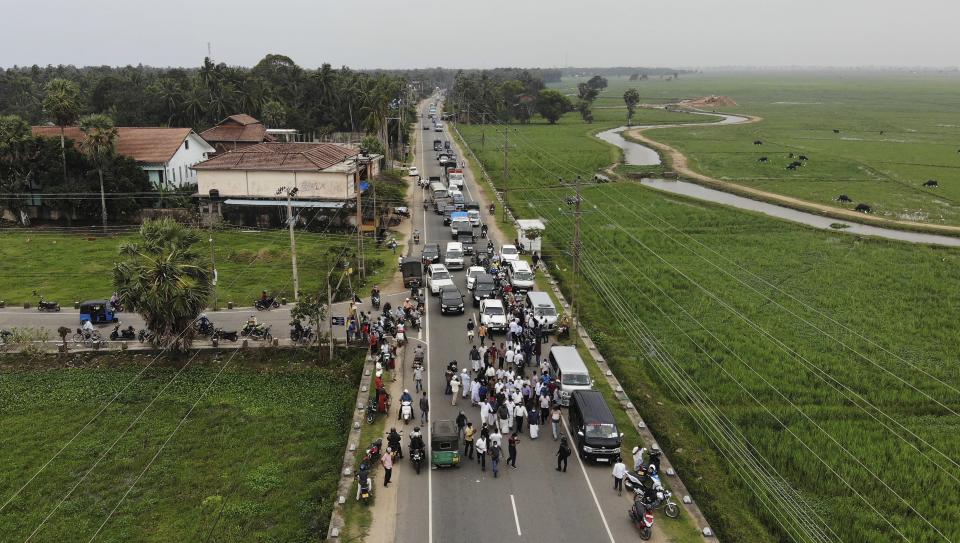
(143, 144)
(237, 128)
(282, 157)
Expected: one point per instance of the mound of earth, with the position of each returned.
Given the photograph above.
(708, 102)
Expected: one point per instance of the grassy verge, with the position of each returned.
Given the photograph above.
(73, 267)
(763, 317)
(258, 459)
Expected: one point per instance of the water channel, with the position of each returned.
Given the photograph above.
(639, 155)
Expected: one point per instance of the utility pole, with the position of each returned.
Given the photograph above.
(506, 169)
(293, 240)
(399, 138)
(356, 188)
(576, 261)
(330, 314)
(213, 268)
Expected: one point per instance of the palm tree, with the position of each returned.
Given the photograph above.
(99, 135)
(62, 103)
(166, 279)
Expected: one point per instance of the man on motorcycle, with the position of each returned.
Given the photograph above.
(87, 328)
(393, 439)
(416, 440)
(375, 292)
(418, 353)
(114, 302)
(406, 397)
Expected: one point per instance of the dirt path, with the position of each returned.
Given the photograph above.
(679, 163)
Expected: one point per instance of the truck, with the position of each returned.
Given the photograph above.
(455, 178)
(437, 145)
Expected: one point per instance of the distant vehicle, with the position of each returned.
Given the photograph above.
(568, 369)
(438, 128)
(430, 253)
(412, 270)
(413, 171)
(509, 253)
(437, 145)
(453, 257)
(459, 221)
(597, 435)
(448, 211)
(451, 301)
(474, 216)
(465, 237)
(521, 276)
(402, 211)
(484, 288)
(493, 315)
(455, 178)
(457, 197)
(446, 144)
(543, 309)
(472, 273)
(425, 127)
(438, 276)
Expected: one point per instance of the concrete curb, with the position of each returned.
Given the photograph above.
(679, 489)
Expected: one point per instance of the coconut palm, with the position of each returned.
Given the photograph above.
(166, 279)
(62, 104)
(99, 135)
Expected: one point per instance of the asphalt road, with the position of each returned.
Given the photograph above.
(531, 503)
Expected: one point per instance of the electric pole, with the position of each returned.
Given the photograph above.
(506, 169)
(356, 188)
(293, 240)
(213, 268)
(576, 260)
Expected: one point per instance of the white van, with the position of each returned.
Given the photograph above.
(568, 369)
(543, 309)
(438, 276)
(453, 257)
(520, 275)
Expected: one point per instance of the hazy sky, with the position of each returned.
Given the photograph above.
(484, 33)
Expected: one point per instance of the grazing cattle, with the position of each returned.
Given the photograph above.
(803, 157)
(762, 159)
(836, 131)
(931, 183)
(792, 166)
(844, 198)
(757, 142)
(881, 132)
(790, 155)
(862, 208)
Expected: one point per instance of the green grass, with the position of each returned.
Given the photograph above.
(74, 267)
(257, 460)
(893, 302)
(918, 114)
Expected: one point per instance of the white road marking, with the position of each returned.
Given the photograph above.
(603, 517)
(426, 330)
(516, 518)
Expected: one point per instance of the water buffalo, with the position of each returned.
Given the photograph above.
(757, 142)
(762, 159)
(844, 198)
(790, 155)
(792, 166)
(881, 132)
(931, 183)
(803, 157)
(862, 208)
(836, 130)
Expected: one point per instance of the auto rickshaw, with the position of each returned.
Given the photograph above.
(97, 312)
(444, 444)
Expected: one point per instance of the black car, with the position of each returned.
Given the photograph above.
(425, 127)
(480, 256)
(447, 210)
(431, 253)
(451, 301)
(466, 238)
(483, 289)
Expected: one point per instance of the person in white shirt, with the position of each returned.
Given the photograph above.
(619, 472)
(519, 413)
(508, 358)
(481, 446)
(638, 458)
(495, 437)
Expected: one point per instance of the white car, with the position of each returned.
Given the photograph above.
(413, 172)
(472, 273)
(437, 277)
(493, 315)
(509, 253)
(453, 257)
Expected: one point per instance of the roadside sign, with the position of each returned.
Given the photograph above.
(337, 321)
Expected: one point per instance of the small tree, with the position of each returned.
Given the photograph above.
(631, 98)
(551, 105)
(314, 309)
(63, 332)
(372, 145)
(62, 104)
(99, 135)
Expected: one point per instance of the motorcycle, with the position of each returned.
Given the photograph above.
(259, 332)
(299, 334)
(125, 334)
(205, 327)
(145, 335)
(375, 301)
(372, 454)
(647, 488)
(415, 319)
(406, 411)
(117, 307)
(416, 457)
(88, 339)
(364, 488)
(395, 448)
(221, 334)
(493, 208)
(641, 515)
(265, 305)
(416, 237)
(44, 305)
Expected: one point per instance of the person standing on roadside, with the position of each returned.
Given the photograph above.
(482, 333)
(418, 377)
(424, 408)
(554, 421)
(619, 472)
(468, 434)
(387, 461)
(454, 389)
(512, 449)
(562, 454)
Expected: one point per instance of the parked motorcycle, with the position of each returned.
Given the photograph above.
(372, 454)
(204, 327)
(145, 335)
(43, 305)
(649, 490)
(127, 333)
(641, 515)
(265, 305)
(88, 339)
(301, 335)
(259, 332)
(221, 334)
(364, 488)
